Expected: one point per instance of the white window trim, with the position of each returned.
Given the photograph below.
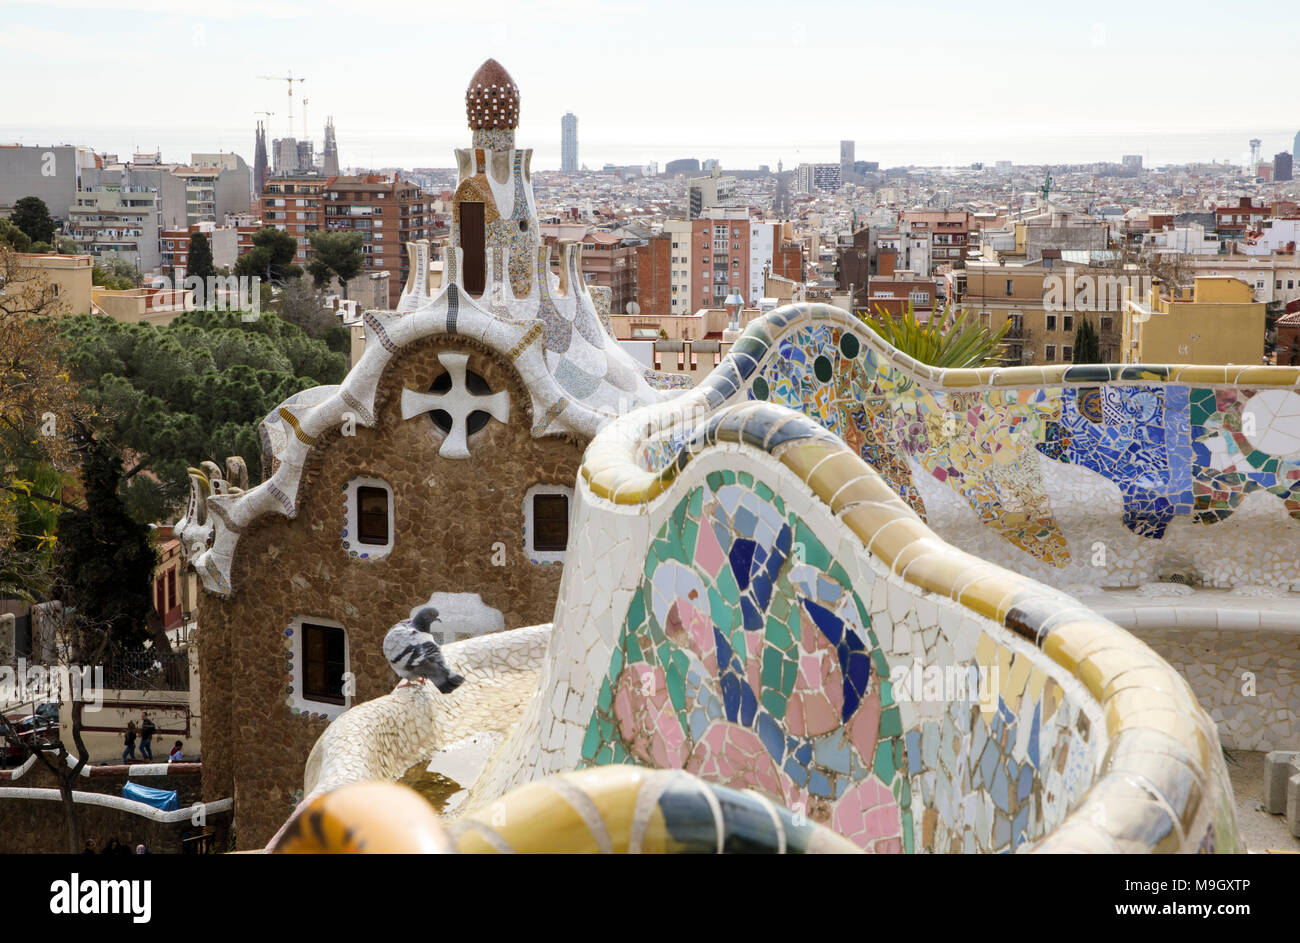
(353, 547)
(296, 699)
(544, 556)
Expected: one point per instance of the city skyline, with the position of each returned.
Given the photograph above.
(1036, 121)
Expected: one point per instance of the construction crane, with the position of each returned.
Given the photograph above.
(1049, 189)
(290, 79)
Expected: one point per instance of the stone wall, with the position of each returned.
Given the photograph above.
(29, 825)
(39, 826)
(450, 518)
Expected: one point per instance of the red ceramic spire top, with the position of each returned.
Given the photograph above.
(492, 99)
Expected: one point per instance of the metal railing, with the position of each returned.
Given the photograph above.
(148, 671)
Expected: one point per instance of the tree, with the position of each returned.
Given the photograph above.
(300, 303)
(32, 216)
(1087, 345)
(102, 277)
(200, 257)
(198, 387)
(13, 237)
(271, 256)
(104, 565)
(964, 344)
(38, 404)
(336, 254)
(105, 557)
(66, 246)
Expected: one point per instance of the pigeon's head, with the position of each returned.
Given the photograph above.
(425, 618)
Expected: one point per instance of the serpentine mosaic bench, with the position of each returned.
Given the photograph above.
(749, 600)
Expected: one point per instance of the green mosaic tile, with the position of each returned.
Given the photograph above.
(676, 679)
(606, 696)
(721, 612)
(883, 766)
(814, 553)
(746, 479)
(591, 742)
(771, 673)
(714, 480)
(636, 610)
(775, 704)
(778, 634)
(890, 723)
(726, 584)
(764, 492)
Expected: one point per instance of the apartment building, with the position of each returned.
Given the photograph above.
(51, 173)
(1274, 280)
(1240, 219)
(388, 212)
(937, 237)
(892, 290)
(293, 203)
(64, 278)
(1217, 321)
(116, 220)
(1044, 299)
(609, 260)
(223, 240)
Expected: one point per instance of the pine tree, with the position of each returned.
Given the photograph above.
(1087, 345)
(32, 216)
(200, 257)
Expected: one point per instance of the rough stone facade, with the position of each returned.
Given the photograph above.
(450, 518)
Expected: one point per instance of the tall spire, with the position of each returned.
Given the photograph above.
(259, 161)
(330, 158)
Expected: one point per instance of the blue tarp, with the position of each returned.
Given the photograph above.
(158, 798)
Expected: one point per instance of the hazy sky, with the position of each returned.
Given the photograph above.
(747, 82)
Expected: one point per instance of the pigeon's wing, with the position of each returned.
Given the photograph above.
(421, 658)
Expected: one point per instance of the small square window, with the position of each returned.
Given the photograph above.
(1049, 353)
(1051, 322)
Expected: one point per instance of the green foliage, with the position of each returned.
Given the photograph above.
(32, 216)
(336, 254)
(200, 257)
(271, 257)
(193, 390)
(26, 557)
(14, 237)
(1087, 345)
(66, 246)
(117, 274)
(964, 344)
(105, 557)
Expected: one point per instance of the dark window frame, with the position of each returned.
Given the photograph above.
(324, 661)
(547, 519)
(365, 518)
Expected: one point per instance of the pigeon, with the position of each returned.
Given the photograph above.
(415, 656)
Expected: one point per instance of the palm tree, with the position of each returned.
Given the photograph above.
(964, 344)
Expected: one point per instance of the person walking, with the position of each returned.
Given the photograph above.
(147, 730)
(128, 754)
